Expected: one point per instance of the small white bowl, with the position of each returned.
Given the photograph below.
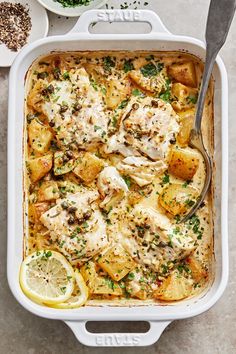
(57, 8)
(39, 29)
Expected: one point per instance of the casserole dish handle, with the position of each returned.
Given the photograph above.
(94, 16)
(117, 339)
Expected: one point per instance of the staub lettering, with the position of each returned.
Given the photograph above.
(117, 340)
(119, 16)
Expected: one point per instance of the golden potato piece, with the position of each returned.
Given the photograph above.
(62, 164)
(88, 167)
(186, 124)
(184, 73)
(174, 287)
(39, 167)
(36, 210)
(116, 262)
(184, 97)
(40, 136)
(176, 198)
(141, 294)
(35, 97)
(183, 163)
(43, 241)
(48, 191)
(98, 284)
(117, 91)
(197, 271)
(134, 197)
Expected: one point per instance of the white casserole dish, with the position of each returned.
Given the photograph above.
(81, 39)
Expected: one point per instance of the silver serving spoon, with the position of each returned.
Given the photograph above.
(220, 16)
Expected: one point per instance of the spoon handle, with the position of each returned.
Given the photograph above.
(220, 16)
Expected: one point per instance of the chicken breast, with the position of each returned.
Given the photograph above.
(141, 170)
(76, 111)
(111, 186)
(77, 226)
(147, 128)
(153, 240)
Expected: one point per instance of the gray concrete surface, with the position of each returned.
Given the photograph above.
(210, 333)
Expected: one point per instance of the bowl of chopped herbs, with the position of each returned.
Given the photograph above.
(71, 8)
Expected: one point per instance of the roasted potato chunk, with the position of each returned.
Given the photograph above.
(197, 270)
(35, 97)
(174, 287)
(62, 163)
(184, 73)
(42, 241)
(39, 167)
(184, 97)
(88, 167)
(98, 284)
(186, 124)
(117, 91)
(183, 163)
(36, 210)
(48, 191)
(116, 262)
(177, 198)
(40, 136)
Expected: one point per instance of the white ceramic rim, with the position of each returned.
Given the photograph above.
(58, 9)
(77, 319)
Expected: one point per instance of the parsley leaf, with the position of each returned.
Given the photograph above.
(108, 63)
(128, 66)
(123, 104)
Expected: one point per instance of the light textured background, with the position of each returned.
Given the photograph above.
(212, 332)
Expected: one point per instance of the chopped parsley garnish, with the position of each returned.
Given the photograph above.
(128, 66)
(66, 75)
(192, 99)
(74, 3)
(97, 127)
(127, 180)
(108, 63)
(151, 69)
(123, 104)
(130, 276)
(165, 96)
(114, 121)
(94, 84)
(166, 179)
(194, 222)
(137, 92)
(110, 283)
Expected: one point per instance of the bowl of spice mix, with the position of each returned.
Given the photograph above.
(21, 22)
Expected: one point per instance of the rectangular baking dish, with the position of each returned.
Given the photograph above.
(79, 38)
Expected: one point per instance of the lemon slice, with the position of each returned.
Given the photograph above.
(47, 277)
(79, 295)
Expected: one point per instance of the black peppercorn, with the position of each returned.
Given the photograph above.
(72, 209)
(64, 205)
(71, 220)
(69, 154)
(63, 108)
